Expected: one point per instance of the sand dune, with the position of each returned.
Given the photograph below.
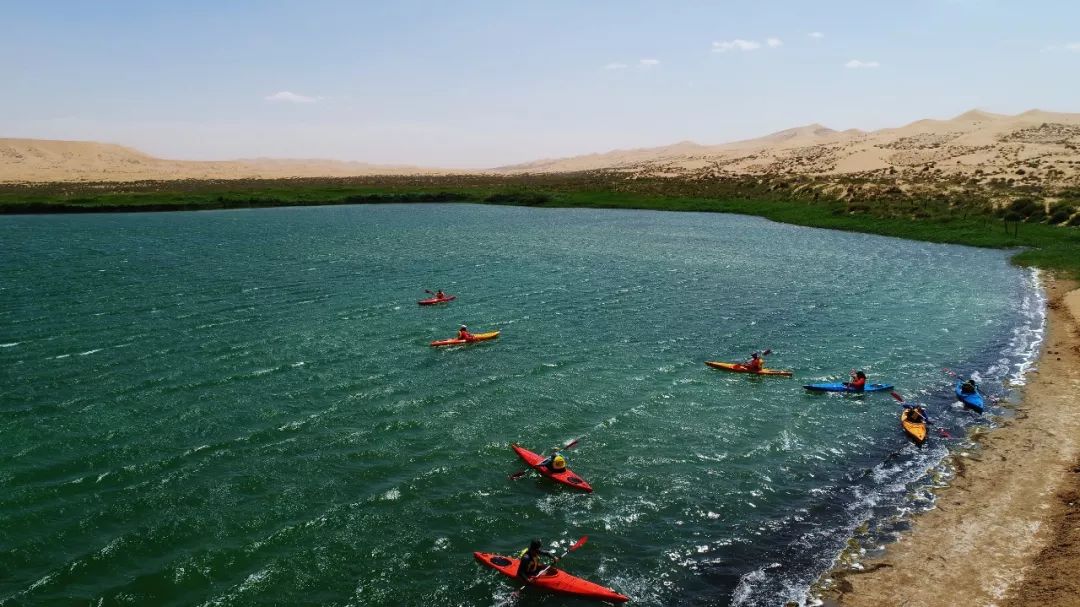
(37, 160)
(1034, 147)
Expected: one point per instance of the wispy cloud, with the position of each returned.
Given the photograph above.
(816, 35)
(648, 62)
(737, 44)
(616, 66)
(291, 97)
(774, 42)
(855, 64)
(1073, 46)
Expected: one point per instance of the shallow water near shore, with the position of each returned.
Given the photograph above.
(240, 407)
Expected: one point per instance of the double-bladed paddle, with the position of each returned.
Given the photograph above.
(522, 472)
(926, 420)
(577, 544)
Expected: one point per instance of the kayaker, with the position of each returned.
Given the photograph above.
(530, 566)
(968, 387)
(755, 364)
(858, 381)
(463, 333)
(440, 295)
(555, 462)
(917, 414)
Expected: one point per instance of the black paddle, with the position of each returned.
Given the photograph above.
(566, 447)
(577, 544)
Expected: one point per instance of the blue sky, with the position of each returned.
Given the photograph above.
(474, 84)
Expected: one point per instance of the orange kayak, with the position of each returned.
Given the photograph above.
(458, 342)
(553, 580)
(915, 430)
(737, 368)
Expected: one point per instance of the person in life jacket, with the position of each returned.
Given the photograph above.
(858, 381)
(463, 333)
(968, 387)
(917, 415)
(555, 462)
(755, 364)
(440, 295)
(530, 566)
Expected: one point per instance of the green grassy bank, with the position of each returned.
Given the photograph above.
(967, 222)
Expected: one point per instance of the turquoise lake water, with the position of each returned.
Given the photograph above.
(241, 408)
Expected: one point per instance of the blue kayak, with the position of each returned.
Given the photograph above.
(973, 401)
(840, 387)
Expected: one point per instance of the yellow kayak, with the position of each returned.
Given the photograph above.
(737, 368)
(457, 342)
(915, 430)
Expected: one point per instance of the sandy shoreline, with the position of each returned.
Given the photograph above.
(1006, 531)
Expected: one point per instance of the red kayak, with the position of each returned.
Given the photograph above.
(436, 300)
(553, 580)
(565, 477)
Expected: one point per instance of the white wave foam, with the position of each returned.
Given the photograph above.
(1026, 343)
(747, 582)
(89, 352)
(10, 345)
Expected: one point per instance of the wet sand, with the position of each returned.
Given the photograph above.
(1006, 531)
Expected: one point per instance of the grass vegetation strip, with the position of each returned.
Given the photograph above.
(946, 219)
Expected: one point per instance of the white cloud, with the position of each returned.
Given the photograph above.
(1073, 46)
(856, 64)
(290, 97)
(648, 62)
(736, 44)
(774, 42)
(616, 66)
(816, 35)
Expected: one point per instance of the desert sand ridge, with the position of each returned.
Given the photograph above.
(40, 160)
(1034, 147)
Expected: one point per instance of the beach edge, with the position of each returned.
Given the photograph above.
(1004, 530)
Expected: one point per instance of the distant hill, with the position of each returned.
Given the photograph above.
(1034, 147)
(39, 160)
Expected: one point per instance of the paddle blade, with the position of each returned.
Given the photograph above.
(949, 371)
(898, 398)
(766, 352)
(571, 444)
(943, 433)
(518, 474)
(578, 544)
